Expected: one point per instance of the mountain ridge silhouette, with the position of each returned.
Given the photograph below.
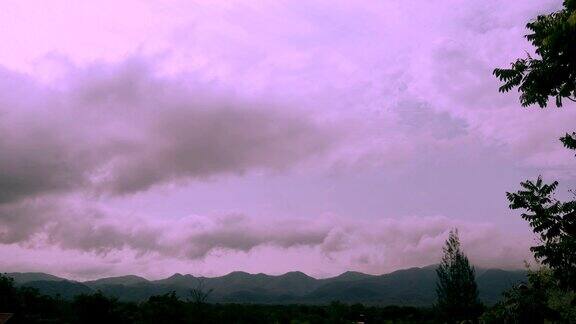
(410, 287)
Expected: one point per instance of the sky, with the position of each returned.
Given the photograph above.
(204, 137)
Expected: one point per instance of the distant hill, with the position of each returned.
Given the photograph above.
(123, 280)
(350, 276)
(414, 286)
(23, 277)
(64, 288)
(493, 281)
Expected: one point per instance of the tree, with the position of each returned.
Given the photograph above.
(555, 224)
(97, 308)
(456, 286)
(199, 295)
(527, 302)
(167, 308)
(553, 72)
(8, 295)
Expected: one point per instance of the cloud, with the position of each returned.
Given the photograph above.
(37, 155)
(374, 246)
(200, 143)
(240, 233)
(120, 128)
(68, 224)
(389, 243)
(420, 119)
(20, 221)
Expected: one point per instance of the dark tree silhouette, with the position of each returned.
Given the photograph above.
(528, 302)
(553, 72)
(97, 308)
(30, 307)
(199, 294)
(456, 286)
(555, 224)
(549, 293)
(569, 141)
(8, 295)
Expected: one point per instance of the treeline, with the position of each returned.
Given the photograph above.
(539, 300)
(29, 306)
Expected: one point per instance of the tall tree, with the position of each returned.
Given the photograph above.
(551, 74)
(456, 286)
(555, 224)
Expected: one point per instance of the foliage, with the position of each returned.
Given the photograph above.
(8, 294)
(28, 305)
(540, 300)
(31, 307)
(553, 72)
(549, 294)
(199, 295)
(97, 308)
(456, 287)
(569, 141)
(555, 224)
(167, 308)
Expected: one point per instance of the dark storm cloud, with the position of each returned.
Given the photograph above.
(120, 128)
(37, 153)
(243, 234)
(197, 143)
(117, 129)
(20, 221)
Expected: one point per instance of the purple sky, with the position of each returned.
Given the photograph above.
(265, 136)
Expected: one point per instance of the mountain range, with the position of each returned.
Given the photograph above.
(414, 286)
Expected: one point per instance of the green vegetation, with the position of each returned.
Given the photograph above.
(553, 73)
(456, 288)
(407, 287)
(549, 296)
(194, 301)
(540, 300)
(555, 224)
(29, 306)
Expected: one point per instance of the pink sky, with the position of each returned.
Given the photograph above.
(322, 136)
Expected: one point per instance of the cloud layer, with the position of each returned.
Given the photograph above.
(119, 129)
(111, 130)
(155, 248)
